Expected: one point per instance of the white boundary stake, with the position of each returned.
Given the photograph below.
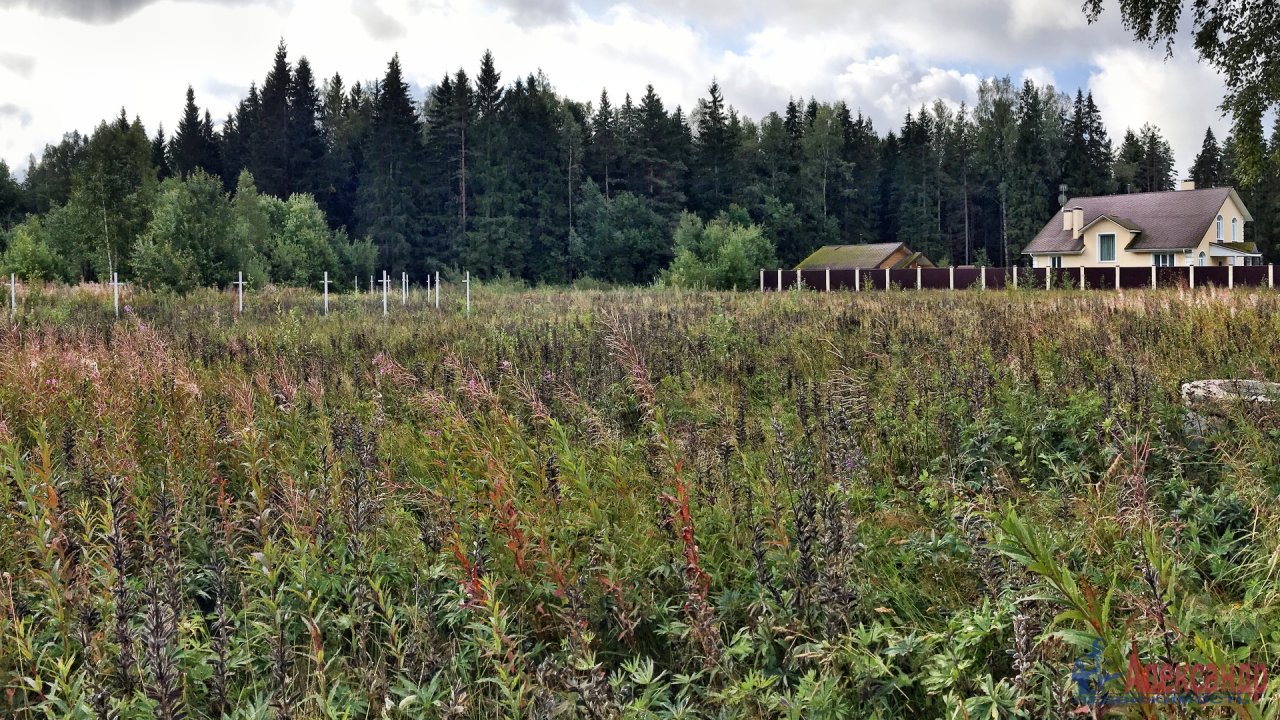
(1081, 277)
(1271, 276)
(385, 282)
(1015, 277)
(326, 292)
(1153, 277)
(886, 278)
(984, 277)
(857, 279)
(437, 289)
(952, 276)
(918, 271)
(1231, 276)
(761, 279)
(404, 288)
(779, 279)
(240, 283)
(468, 282)
(828, 279)
(1193, 277)
(1117, 277)
(1048, 278)
(115, 292)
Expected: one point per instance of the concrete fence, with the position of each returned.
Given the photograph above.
(993, 278)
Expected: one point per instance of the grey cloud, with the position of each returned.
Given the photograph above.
(102, 11)
(535, 13)
(11, 111)
(22, 65)
(379, 24)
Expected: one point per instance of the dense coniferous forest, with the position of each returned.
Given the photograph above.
(507, 178)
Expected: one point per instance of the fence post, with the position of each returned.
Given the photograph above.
(857, 279)
(1193, 276)
(761, 279)
(1048, 278)
(1015, 277)
(886, 278)
(828, 279)
(951, 276)
(918, 271)
(1153, 277)
(1081, 277)
(1117, 287)
(984, 277)
(1271, 276)
(1231, 276)
(779, 279)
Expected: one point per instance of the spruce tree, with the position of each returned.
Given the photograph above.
(306, 144)
(193, 146)
(714, 153)
(269, 150)
(160, 154)
(602, 150)
(1101, 180)
(390, 194)
(1206, 171)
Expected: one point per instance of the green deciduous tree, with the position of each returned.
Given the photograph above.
(1239, 39)
(723, 254)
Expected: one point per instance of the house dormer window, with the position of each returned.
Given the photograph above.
(1235, 229)
(1106, 247)
(1219, 228)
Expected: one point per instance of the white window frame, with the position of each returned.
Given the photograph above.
(1235, 229)
(1202, 259)
(1164, 260)
(1102, 259)
(1220, 228)
(1055, 261)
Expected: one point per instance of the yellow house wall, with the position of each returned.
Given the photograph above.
(1089, 258)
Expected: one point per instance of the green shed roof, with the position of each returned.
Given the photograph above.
(847, 257)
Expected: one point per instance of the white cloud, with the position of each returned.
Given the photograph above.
(59, 74)
(1040, 76)
(1181, 97)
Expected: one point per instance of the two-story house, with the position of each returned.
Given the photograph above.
(1182, 227)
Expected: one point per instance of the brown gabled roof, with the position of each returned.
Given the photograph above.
(848, 257)
(1170, 220)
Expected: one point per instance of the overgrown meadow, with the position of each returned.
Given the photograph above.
(628, 504)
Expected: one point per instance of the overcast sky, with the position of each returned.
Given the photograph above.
(66, 64)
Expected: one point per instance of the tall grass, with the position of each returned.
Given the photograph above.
(626, 503)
